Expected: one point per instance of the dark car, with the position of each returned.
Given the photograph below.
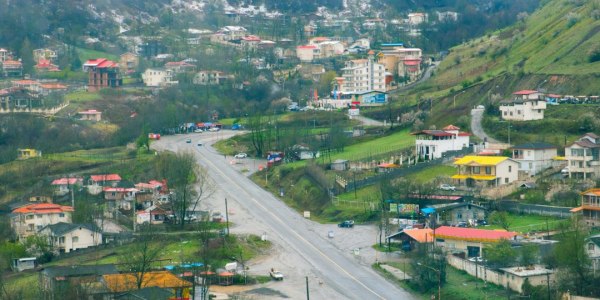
(346, 224)
(481, 223)
(462, 224)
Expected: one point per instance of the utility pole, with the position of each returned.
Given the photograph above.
(307, 291)
(226, 217)
(548, 283)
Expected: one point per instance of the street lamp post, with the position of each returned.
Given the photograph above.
(454, 99)
(439, 272)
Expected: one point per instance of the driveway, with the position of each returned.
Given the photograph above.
(476, 128)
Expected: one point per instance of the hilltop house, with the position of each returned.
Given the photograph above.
(400, 61)
(45, 65)
(67, 237)
(12, 68)
(470, 241)
(486, 171)
(128, 62)
(102, 73)
(90, 115)
(105, 180)
(119, 198)
(527, 105)
(62, 186)
(27, 220)
(534, 157)
(431, 144)
(232, 33)
(44, 54)
(158, 77)
(583, 157)
(210, 77)
(590, 207)
(307, 53)
(180, 67)
(28, 153)
(417, 18)
(4, 55)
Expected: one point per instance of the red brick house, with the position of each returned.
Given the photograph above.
(102, 73)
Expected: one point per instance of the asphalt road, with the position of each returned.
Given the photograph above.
(347, 277)
(476, 117)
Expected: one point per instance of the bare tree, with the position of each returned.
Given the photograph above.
(142, 255)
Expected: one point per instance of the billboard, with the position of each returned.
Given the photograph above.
(404, 209)
(374, 98)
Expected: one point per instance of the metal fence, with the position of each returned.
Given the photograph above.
(404, 171)
(536, 209)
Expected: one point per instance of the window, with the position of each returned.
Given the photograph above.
(61, 240)
(488, 170)
(459, 215)
(590, 247)
(509, 169)
(61, 215)
(506, 180)
(476, 170)
(75, 239)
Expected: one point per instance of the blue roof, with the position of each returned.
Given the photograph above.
(428, 210)
(392, 44)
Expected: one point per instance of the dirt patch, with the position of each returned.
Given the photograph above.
(232, 289)
(263, 291)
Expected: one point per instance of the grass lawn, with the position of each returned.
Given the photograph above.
(527, 223)
(396, 141)
(459, 285)
(82, 96)
(431, 173)
(85, 54)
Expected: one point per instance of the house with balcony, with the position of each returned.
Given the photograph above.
(102, 73)
(470, 241)
(590, 207)
(307, 53)
(526, 105)
(67, 237)
(105, 180)
(432, 144)
(119, 197)
(29, 219)
(211, 77)
(592, 247)
(583, 157)
(534, 157)
(159, 77)
(360, 76)
(486, 171)
(12, 68)
(62, 186)
(90, 115)
(401, 61)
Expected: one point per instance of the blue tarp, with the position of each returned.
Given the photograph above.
(428, 210)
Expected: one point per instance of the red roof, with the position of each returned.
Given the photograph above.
(94, 112)
(101, 63)
(53, 86)
(251, 38)
(412, 62)
(471, 234)
(65, 181)
(451, 127)
(525, 92)
(12, 63)
(554, 95)
(307, 47)
(43, 208)
(25, 82)
(106, 177)
(119, 189)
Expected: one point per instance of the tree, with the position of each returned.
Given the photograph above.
(142, 254)
(572, 258)
(500, 254)
(428, 264)
(528, 254)
(257, 135)
(500, 218)
(143, 141)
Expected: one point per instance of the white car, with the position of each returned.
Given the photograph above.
(213, 129)
(276, 274)
(198, 130)
(447, 187)
(241, 155)
(477, 259)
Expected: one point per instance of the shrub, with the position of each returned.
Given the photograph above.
(594, 54)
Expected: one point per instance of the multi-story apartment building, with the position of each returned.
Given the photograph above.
(362, 75)
(28, 219)
(405, 62)
(102, 73)
(583, 157)
(527, 105)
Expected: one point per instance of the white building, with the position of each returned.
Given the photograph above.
(527, 105)
(593, 250)
(28, 219)
(158, 77)
(417, 18)
(447, 16)
(431, 144)
(583, 157)
(209, 77)
(67, 237)
(362, 75)
(307, 53)
(62, 186)
(534, 157)
(3, 54)
(231, 33)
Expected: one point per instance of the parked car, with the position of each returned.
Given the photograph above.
(477, 259)
(188, 141)
(198, 130)
(481, 223)
(462, 224)
(480, 107)
(447, 187)
(217, 217)
(276, 274)
(199, 144)
(213, 129)
(565, 171)
(241, 155)
(346, 224)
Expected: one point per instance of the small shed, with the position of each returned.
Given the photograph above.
(22, 264)
(340, 165)
(226, 278)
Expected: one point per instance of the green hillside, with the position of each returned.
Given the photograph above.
(561, 38)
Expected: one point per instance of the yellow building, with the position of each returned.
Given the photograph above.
(28, 153)
(482, 171)
(180, 289)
